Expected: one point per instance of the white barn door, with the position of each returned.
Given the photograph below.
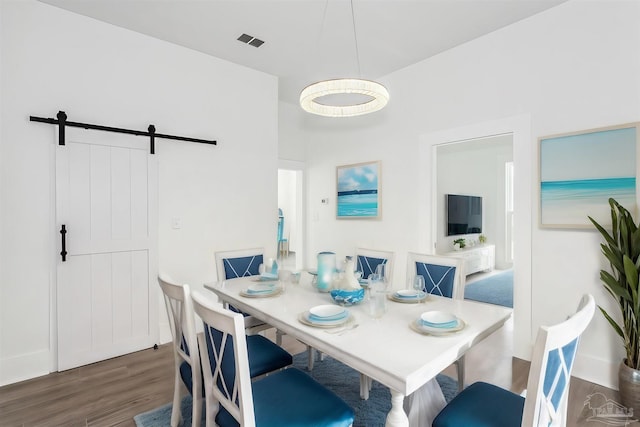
(106, 197)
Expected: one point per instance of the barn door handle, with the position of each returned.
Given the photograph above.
(63, 232)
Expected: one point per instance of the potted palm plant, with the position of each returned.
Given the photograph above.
(622, 250)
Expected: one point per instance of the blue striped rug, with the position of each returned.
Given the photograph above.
(341, 379)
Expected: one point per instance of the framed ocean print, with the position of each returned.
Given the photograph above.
(358, 191)
(580, 171)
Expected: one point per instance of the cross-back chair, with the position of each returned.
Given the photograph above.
(264, 355)
(443, 276)
(367, 260)
(545, 404)
(177, 301)
(242, 263)
(285, 398)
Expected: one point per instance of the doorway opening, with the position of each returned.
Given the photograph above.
(290, 235)
(519, 127)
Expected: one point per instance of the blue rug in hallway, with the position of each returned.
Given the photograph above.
(341, 379)
(496, 289)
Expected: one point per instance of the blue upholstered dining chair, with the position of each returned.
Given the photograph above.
(367, 260)
(241, 263)
(264, 355)
(285, 398)
(443, 276)
(545, 404)
(283, 242)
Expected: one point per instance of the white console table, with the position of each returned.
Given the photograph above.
(476, 258)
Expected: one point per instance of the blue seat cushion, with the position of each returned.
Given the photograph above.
(291, 398)
(264, 356)
(482, 405)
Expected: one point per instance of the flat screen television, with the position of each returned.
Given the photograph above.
(464, 214)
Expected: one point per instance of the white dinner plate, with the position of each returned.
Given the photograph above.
(304, 318)
(397, 297)
(327, 312)
(261, 291)
(417, 326)
(409, 293)
(439, 319)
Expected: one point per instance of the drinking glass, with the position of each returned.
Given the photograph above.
(377, 296)
(284, 277)
(418, 283)
(381, 272)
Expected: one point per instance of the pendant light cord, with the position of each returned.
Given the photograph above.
(355, 39)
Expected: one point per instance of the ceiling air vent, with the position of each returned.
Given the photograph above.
(246, 38)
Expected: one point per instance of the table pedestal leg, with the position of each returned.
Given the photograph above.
(396, 416)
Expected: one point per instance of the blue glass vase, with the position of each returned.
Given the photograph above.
(326, 268)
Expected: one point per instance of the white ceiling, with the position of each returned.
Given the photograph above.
(311, 40)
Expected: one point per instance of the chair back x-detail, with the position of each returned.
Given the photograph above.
(185, 348)
(241, 263)
(285, 398)
(547, 388)
(551, 363)
(367, 260)
(443, 276)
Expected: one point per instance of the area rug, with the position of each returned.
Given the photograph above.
(341, 379)
(496, 289)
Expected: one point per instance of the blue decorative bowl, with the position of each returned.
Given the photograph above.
(347, 297)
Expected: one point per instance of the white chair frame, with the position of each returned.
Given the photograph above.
(374, 253)
(252, 324)
(457, 291)
(179, 307)
(230, 324)
(459, 278)
(536, 410)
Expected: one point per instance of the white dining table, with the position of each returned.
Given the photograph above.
(385, 349)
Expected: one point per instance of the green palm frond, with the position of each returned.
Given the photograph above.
(622, 250)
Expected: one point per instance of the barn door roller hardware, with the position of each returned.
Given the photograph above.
(62, 123)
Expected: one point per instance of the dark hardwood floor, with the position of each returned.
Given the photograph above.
(107, 393)
(112, 392)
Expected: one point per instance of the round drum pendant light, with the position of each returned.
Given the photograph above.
(372, 96)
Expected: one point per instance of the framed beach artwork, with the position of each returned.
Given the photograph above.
(358, 190)
(580, 171)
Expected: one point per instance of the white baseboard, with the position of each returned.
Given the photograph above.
(598, 371)
(23, 367)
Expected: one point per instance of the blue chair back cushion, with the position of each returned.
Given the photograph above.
(242, 266)
(368, 265)
(482, 405)
(557, 374)
(293, 398)
(438, 279)
(264, 357)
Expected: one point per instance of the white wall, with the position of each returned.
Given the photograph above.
(476, 168)
(225, 196)
(573, 67)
